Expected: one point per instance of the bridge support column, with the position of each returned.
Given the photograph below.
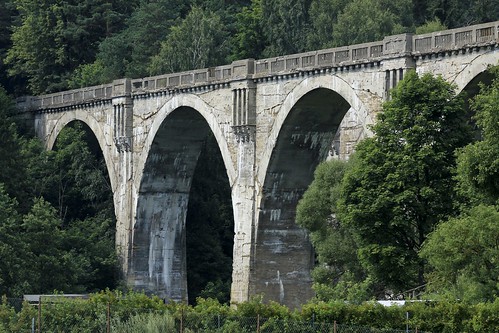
(122, 124)
(243, 189)
(123, 205)
(243, 202)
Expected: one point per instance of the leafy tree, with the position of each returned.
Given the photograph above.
(463, 253)
(128, 53)
(198, 42)
(402, 183)
(249, 38)
(75, 243)
(92, 242)
(55, 37)
(14, 268)
(420, 11)
(430, 26)
(75, 176)
(458, 13)
(11, 162)
(6, 13)
(478, 163)
(338, 274)
(285, 25)
(370, 20)
(7, 17)
(323, 16)
(52, 268)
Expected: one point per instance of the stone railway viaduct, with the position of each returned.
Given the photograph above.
(274, 120)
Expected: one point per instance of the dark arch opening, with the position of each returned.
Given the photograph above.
(80, 190)
(176, 232)
(210, 227)
(283, 254)
(81, 156)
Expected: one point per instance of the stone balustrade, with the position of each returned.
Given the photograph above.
(352, 55)
(455, 39)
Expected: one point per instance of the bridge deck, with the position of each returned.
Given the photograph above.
(347, 56)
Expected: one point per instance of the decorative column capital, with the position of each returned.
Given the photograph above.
(244, 133)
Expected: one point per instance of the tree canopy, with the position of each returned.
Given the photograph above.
(402, 185)
(478, 163)
(338, 274)
(199, 41)
(56, 214)
(463, 251)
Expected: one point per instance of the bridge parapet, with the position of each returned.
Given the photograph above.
(336, 57)
(455, 39)
(240, 69)
(66, 98)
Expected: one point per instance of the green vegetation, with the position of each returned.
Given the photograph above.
(136, 312)
(401, 185)
(62, 236)
(416, 205)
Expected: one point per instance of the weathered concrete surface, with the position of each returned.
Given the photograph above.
(274, 120)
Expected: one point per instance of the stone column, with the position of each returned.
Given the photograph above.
(243, 189)
(122, 125)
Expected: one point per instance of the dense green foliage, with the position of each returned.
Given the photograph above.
(56, 216)
(478, 163)
(138, 313)
(339, 270)
(408, 208)
(52, 45)
(402, 185)
(463, 251)
(11, 176)
(199, 41)
(53, 38)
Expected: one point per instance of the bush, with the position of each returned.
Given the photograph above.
(145, 323)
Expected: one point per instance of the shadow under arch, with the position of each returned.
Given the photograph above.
(360, 115)
(84, 199)
(158, 254)
(283, 255)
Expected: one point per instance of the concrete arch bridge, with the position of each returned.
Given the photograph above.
(273, 119)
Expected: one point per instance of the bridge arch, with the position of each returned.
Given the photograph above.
(475, 68)
(360, 114)
(206, 111)
(163, 182)
(96, 128)
(305, 127)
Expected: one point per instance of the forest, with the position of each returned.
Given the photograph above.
(57, 206)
